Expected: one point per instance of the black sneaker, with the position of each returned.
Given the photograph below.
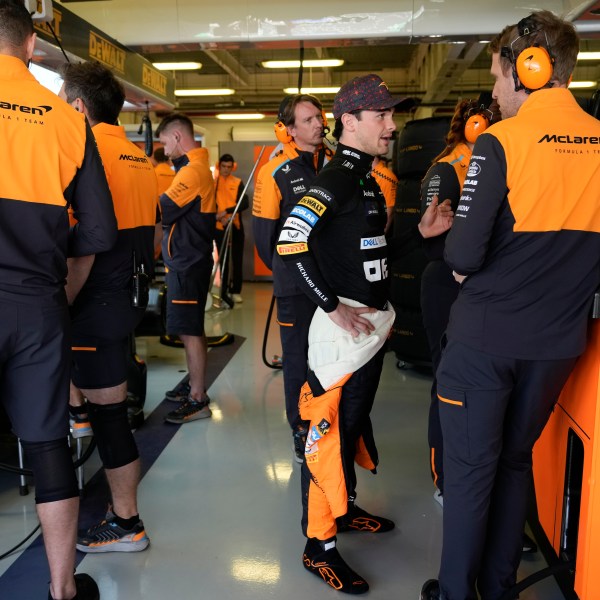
(299, 436)
(430, 590)
(107, 536)
(331, 568)
(189, 410)
(357, 519)
(180, 392)
(86, 587)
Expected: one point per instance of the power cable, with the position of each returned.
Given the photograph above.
(9, 552)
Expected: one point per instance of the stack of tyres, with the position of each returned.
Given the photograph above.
(418, 144)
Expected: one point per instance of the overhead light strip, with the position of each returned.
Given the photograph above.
(205, 92)
(582, 84)
(313, 90)
(240, 116)
(295, 64)
(588, 56)
(177, 66)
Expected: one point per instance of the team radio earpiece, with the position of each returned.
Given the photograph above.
(532, 68)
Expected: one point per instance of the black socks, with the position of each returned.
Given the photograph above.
(323, 559)
(127, 524)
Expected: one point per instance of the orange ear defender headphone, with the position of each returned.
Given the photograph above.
(281, 132)
(532, 68)
(478, 117)
(476, 124)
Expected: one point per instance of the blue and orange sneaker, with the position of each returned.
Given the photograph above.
(107, 536)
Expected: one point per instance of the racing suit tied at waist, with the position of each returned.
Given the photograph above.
(333, 356)
(333, 352)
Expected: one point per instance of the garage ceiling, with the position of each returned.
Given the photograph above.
(434, 50)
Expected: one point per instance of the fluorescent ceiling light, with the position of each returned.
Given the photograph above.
(205, 92)
(582, 84)
(588, 56)
(294, 64)
(240, 116)
(329, 115)
(313, 90)
(177, 66)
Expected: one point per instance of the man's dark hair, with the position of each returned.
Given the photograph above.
(180, 120)
(160, 156)
(339, 126)
(226, 158)
(101, 92)
(556, 35)
(15, 26)
(287, 114)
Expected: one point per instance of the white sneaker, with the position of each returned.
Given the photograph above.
(237, 298)
(439, 498)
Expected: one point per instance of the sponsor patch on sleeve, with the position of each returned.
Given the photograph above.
(314, 205)
(305, 215)
(294, 223)
(283, 249)
(292, 235)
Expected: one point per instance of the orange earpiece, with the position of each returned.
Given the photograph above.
(534, 67)
(281, 133)
(475, 126)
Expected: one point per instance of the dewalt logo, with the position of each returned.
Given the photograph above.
(154, 80)
(567, 139)
(28, 110)
(107, 53)
(313, 204)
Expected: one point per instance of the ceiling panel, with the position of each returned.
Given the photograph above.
(408, 42)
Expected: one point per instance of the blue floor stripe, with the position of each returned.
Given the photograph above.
(27, 578)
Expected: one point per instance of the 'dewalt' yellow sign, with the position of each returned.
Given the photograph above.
(154, 80)
(108, 54)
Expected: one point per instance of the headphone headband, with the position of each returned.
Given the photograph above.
(532, 67)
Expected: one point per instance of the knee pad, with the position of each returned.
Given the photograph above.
(53, 472)
(116, 445)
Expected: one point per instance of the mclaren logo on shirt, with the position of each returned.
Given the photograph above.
(28, 110)
(567, 139)
(132, 158)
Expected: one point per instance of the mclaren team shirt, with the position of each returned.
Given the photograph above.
(49, 162)
(527, 232)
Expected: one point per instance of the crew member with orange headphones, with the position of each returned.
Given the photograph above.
(228, 192)
(445, 179)
(525, 248)
(280, 184)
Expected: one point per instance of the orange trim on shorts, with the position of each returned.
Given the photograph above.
(184, 301)
(448, 401)
(83, 348)
(435, 475)
(284, 324)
